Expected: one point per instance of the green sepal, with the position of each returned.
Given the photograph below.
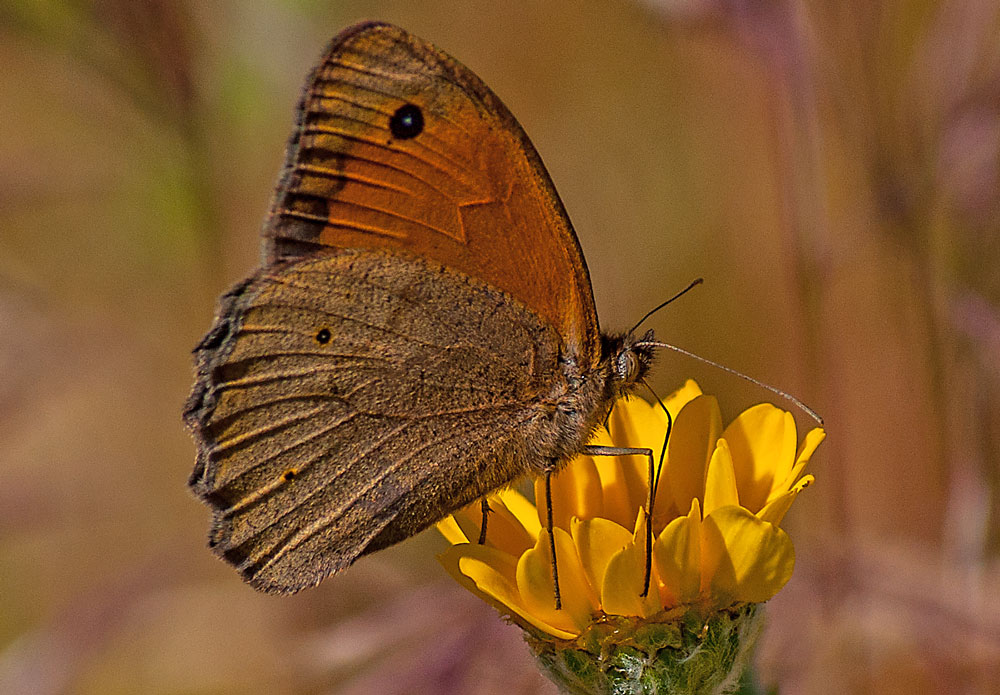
(671, 654)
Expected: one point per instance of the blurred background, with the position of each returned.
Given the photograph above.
(831, 169)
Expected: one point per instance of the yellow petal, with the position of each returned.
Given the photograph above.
(677, 557)
(775, 510)
(664, 507)
(623, 487)
(633, 423)
(624, 578)
(812, 440)
(762, 440)
(720, 482)
(522, 509)
(681, 397)
(490, 574)
(596, 541)
(646, 428)
(451, 531)
(743, 558)
(534, 583)
(469, 519)
(576, 491)
(696, 430)
(504, 530)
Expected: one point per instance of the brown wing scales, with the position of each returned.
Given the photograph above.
(343, 402)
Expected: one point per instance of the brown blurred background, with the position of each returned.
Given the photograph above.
(831, 169)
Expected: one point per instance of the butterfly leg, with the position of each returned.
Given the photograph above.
(484, 503)
(552, 538)
(648, 453)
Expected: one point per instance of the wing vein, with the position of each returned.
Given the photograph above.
(327, 172)
(299, 536)
(315, 129)
(268, 377)
(396, 78)
(295, 214)
(397, 215)
(326, 429)
(354, 67)
(269, 428)
(331, 114)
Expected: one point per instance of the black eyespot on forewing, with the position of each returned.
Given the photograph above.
(323, 336)
(407, 122)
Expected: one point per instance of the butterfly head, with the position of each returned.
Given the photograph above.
(631, 356)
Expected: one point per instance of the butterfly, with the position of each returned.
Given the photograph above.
(420, 333)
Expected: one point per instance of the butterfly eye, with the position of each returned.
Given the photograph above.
(407, 122)
(628, 366)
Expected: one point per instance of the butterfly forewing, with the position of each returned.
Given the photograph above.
(397, 145)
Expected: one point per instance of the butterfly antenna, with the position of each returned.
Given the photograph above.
(694, 283)
(756, 382)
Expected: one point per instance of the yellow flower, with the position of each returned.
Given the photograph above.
(717, 544)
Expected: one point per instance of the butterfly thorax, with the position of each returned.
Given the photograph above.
(581, 404)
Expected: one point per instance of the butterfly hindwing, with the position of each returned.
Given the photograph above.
(343, 403)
